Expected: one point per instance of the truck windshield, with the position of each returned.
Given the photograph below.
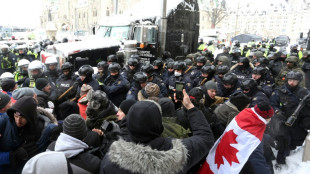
(116, 32)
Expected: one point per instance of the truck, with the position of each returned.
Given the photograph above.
(139, 31)
(143, 25)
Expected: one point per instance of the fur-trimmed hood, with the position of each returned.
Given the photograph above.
(50, 116)
(138, 158)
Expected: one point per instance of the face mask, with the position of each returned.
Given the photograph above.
(177, 74)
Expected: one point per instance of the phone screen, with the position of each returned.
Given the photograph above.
(179, 87)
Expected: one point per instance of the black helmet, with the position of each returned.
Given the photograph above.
(259, 70)
(271, 45)
(67, 65)
(263, 61)
(188, 62)
(179, 65)
(64, 40)
(222, 69)
(102, 64)
(295, 75)
(248, 84)
(208, 69)
(140, 77)
(170, 65)
(147, 68)
(201, 59)
(244, 60)
(112, 58)
(114, 67)
(86, 70)
(253, 46)
(133, 61)
(230, 79)
(166, 55)
(210, 42)
(158, 62)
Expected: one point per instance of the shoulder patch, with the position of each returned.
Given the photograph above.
(119, 82)
(255, 98)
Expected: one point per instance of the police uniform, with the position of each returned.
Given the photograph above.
(285, 101)
(116, 89)
(63, 83)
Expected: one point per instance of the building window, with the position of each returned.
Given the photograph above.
(107, 12)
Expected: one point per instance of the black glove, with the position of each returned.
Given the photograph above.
(24, 152)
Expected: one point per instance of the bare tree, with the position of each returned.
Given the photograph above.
(216, 10)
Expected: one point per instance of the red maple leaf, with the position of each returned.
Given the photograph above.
(224, 149)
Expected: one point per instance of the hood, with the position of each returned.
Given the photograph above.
(138, 158)
(94, 114)
(40, 93)
(144, 121)
(69, 145)
(57, 163)
(167, 107)
(47, 114)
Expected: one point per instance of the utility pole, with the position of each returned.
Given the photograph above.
(163, 28)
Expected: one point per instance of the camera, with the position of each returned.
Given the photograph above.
(106, 126)
(179, 90)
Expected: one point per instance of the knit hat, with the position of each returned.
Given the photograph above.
(41, 83)
(196, 95)
(126, 104)
(240, 100)
(75, 126)
(8, 85)
(167, 107)
(67, 108)
(4, 100)
(152, 90)
(21, 92)
(211, 85)
(264, 109)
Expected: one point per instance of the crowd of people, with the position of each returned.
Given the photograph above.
(126, 117)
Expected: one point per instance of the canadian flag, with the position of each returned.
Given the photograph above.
(240, 138)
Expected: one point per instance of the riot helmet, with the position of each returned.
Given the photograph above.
(133, 61)
(140, 77)
(23, 66)
(86, 70)
(222, 69)
(35, 69)
(148, 69)
(230, 79)
(112, 59)
(248, 84)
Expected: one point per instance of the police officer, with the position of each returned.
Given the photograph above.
(139, 82)
(291, 64)
(271, 49)
(112, 59)
(85, 77)
(221, 70)
(200, 62)
(259, 75)
(249, 88)
(159, 69)
(225, 53)
(278, 63)
(52, 72)
(201, 44)
(148, 69)
(179, 76)
(306, 67)
(210, 47)
(102, 72)
(131, 68)
(207, 74)
(223, 60)
(22, 54)
(236, 53)
(34, 51)
(228, 85)
(22, 71)
(115, 85)
(65, 81)
(285, 100)
(243, 69)
(7, 60)
(35, 70)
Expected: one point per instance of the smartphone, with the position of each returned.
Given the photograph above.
(179, 86)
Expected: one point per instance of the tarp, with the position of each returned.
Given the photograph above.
(245, 38)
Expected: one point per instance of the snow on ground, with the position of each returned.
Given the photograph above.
(294, 163)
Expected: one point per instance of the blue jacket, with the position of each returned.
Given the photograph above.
(116, 89)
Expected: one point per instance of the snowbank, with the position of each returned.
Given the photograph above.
(295, 164)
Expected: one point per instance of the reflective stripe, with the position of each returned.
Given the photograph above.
(32, 83)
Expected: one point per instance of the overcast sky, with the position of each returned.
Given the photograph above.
(20, 12)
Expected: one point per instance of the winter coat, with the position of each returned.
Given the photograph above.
(306, 68)
(226, 112)
(42, 98)
(75, 151)
(63, 83)
(116, 89)
(161, 155)
(242, 73)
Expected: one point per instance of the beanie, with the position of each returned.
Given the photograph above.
(240, 100)
(152, 90)
(75, 126)
(126, 104)
(8, 85)
(195, 94)
(21, 92)
(264, 109)
(4, 100)
(167, 107)
(41, 83)
(211, 85)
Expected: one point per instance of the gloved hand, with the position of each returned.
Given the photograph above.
(24, 152)
(115, 127)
